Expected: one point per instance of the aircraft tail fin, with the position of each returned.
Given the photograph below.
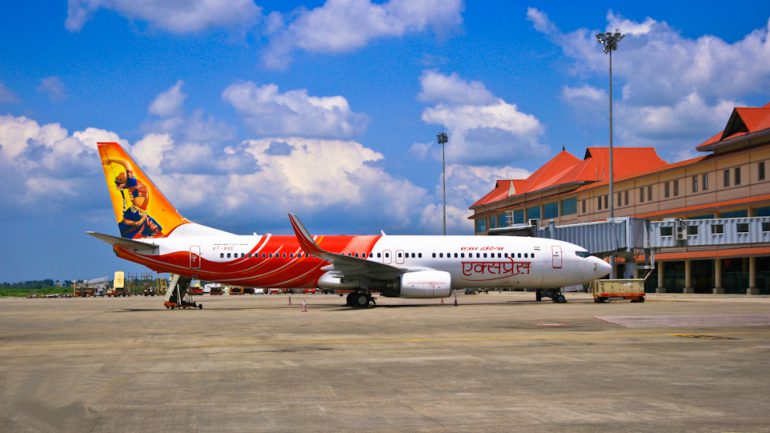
(141, 210)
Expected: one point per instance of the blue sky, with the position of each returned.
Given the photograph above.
(246, 110)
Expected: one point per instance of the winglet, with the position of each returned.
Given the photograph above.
(305, 239)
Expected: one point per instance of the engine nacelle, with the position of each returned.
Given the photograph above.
(327, 281)
(426, 284)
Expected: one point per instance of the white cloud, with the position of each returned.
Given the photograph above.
(53, 87)
(7, 96)
(189, 16)
(293, 113)
(346, 25)
(676, 91)
(440, 88)
(465, 185)
(170, 102)
(584, 94)
(171, 118)
(43, 168)
(482, 129)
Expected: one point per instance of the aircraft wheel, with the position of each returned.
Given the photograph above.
(361, 300)
(560, 299)
(350, 300)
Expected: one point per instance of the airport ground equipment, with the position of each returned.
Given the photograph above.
(631, 289)
(179, 296)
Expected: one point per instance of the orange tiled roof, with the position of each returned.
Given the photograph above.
(565, 168)
(743, 120)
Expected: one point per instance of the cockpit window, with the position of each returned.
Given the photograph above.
(582, 253)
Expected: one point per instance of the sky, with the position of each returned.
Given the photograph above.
(245, 110)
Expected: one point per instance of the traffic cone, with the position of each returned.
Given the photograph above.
(455, 300)
(304, 306)
(289, 300)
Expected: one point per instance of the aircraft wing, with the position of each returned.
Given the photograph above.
(136, 246)
(343, 266)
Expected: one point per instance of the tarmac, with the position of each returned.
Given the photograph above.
(495, 362)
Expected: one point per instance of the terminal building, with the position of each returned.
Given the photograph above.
(701, 225)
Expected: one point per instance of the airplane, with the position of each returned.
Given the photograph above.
(153, 233)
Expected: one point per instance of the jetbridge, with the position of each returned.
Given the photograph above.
(629, 237)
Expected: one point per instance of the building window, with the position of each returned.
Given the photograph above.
(493, 222)
(584, 205)
(705, 182)
(667, 189)
(766, 227)
(695, 184)
(666, 231)
(649, 192)
(717, 229)
(551, 210)
(641, 194)
(726, 178)
(743, 213)
(599, 203)
(503, 220)
(518, 216)
(481, 225)
(569, 206)
(533, 212)
(619, 199)
(737, 175)
(625, 193)
(742, 228)
(692, 230)
(761, 212)
(606, 203)
(676, 187)
(761, 170)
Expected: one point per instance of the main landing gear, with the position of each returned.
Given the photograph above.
(555, 295)
(359, 300)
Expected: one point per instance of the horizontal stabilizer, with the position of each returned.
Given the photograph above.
(136, 246)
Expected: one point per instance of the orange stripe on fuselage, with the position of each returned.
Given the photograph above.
(296, 272)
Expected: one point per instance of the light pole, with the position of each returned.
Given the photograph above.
(609, 42)
(442, 139)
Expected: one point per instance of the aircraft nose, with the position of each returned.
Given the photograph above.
(601, 268)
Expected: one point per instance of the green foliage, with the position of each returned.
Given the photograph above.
(36, 287)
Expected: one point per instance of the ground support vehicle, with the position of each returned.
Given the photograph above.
(606, 290)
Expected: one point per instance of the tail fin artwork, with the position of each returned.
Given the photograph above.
(141, 210)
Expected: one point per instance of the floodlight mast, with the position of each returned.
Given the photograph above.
(609, 42)
(442, 139)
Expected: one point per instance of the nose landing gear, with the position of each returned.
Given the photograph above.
(555, 294)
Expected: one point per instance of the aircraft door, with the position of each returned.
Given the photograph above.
(399, 257)
(195, 257)
(386, 257)
(556, 256)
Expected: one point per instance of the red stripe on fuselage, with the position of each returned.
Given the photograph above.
(279, 271)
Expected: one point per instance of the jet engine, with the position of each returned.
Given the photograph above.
(426, 284)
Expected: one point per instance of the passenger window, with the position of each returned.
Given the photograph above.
(526, 255)
(228, 255)
(478, 255)
(485, 255)
(462, 255)
(455, 255)
(519, 254)
(284, 255)
(532, 256)
(399, 255)
(441, 255)
(434, 255)
(387, 255)
(379, 255)
(221, 255)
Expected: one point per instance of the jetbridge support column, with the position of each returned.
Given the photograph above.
(752, 290)
(688, 277)
(660, 288)
(718, 289)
